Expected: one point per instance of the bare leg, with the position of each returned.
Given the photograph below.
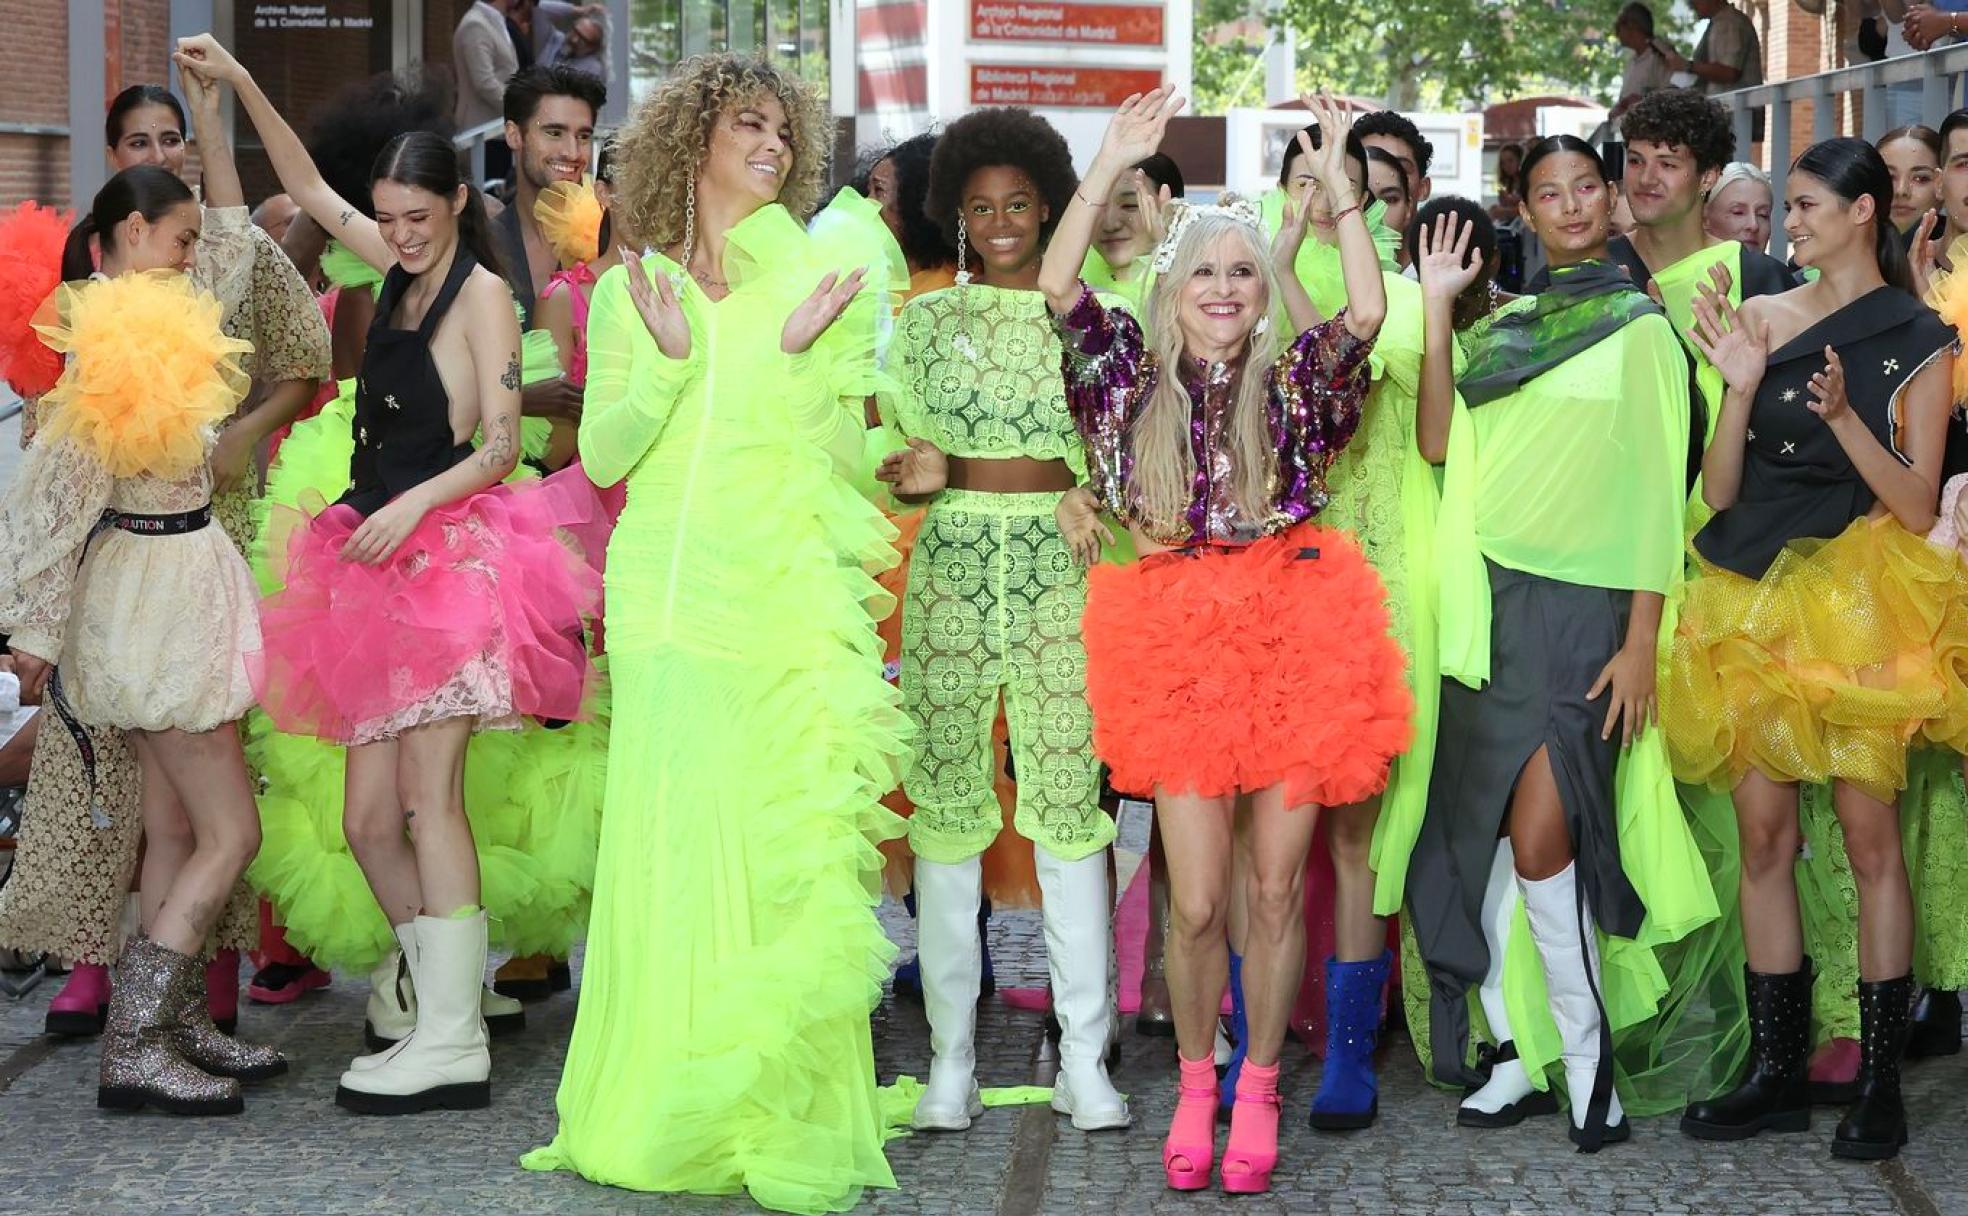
(430, 782)
(1358, 935)
(1766, 823)
(1196, 833)
(1237, 922)
(1872, 841)
(1538, 835)
(207, 772)
(1274, 947)
(372, 819)
(167, 842)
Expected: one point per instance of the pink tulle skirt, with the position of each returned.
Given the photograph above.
(484, 611)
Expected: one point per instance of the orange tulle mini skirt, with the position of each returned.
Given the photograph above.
(1221, 670)
(1841, 657)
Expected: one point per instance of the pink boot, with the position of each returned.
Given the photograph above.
(81, 1008)
(222, 990)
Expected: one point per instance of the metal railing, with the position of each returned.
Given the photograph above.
(473, 142)
(1934, 72)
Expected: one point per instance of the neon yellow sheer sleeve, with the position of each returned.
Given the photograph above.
(632, 385)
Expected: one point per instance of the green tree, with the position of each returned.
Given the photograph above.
(1449, 53)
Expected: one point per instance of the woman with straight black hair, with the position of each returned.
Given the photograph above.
(1806, 652)
(429, 602)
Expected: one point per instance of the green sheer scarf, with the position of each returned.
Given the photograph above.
(1584, 305)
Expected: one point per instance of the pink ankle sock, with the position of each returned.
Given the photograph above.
(1254, 1118)
(1194, 1125)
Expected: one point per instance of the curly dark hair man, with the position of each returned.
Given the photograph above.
(1393, 133)
(1682, 117)
(1000, 136)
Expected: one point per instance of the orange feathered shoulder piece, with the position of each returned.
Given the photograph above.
(31, 242)
(1947, 295)
(149, 375)
(569, 216)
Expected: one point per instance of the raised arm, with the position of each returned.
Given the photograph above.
(203, 56)
(1359, 258)
(1133, 134)
(1446, 267)
(218, 176)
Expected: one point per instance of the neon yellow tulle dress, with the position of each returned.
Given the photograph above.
(722, 1043)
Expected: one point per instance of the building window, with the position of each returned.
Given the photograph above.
(663, 33)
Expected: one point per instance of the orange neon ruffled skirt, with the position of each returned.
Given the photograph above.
(1828, 668)
(1217, 671)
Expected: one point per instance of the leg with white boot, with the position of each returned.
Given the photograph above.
(1079, 943)
(1508, 1097)
(1562, 926)
(445, 1063)
(948, 949)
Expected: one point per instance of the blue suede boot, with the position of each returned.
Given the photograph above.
(1226, 1092)
(1349, 1092)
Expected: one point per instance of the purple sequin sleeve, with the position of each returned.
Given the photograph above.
(1106, 378)
(1319, 387)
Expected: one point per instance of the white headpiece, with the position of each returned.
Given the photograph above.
(1244, 211)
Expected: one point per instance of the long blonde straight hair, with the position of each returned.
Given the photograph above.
(1164, 458)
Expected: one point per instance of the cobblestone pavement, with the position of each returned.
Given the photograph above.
(294, 1152)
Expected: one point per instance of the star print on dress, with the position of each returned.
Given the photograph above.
(1789, 448)
(389, 399)
(1891, 366)
(1789, 395)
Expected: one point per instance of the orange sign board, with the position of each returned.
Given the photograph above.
(1010, 84)
(1095, 24)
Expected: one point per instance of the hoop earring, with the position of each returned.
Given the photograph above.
(963, 251)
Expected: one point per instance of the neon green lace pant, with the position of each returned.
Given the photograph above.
(993, 611)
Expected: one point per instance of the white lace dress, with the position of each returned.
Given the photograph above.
(152, 632)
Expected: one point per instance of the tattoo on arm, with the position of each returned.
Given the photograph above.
(347, 214)
(509, 379)
(498, 449)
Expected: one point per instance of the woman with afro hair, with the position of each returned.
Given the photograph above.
(722, 1041)
(993, 614)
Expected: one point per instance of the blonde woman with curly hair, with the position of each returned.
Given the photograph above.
(722, 1041)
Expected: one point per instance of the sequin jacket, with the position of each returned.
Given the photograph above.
(1314, 397)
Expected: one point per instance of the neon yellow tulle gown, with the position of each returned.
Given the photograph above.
(723, 1043)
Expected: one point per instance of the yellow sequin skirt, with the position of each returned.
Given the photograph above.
(1827, 668)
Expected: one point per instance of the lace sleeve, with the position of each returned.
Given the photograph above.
(290, 340)
(1321, 385)
(45, 519)
(224, 266)
(1107, 376)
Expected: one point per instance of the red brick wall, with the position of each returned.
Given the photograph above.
(1795, 44)
(33, 166)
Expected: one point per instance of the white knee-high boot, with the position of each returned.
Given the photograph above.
(445, 1062)
(1508, 1097)
(952, 961)
(1079, 943)
(1566, 942)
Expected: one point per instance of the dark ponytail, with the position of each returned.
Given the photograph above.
(136, 97)
(145, 190)
(1852, 168)
(427, 161)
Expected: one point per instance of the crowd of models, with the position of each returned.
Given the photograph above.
(1598, 656)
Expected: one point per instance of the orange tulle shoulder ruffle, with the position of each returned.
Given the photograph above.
(569, 216)
(1948, 296)
(150, 374)
(31, 241)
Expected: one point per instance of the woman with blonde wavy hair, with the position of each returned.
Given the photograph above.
(722, 1041)
(1247, 653)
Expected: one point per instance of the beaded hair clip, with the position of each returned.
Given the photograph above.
(1244, 211)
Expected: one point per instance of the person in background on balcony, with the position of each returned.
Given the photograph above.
(1739, 207)
(582, 50)
(1807, 650)
(483, 57)
(1728, 57)
(1648, 69)
(1927, 26)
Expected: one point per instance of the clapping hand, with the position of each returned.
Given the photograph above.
(821, 308)
(1738, 349)
(657, 303)
(1828, 399)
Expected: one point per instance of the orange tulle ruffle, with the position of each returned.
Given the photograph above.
(31, 242)
(1827, 668)
(569, 216)
(1230, 671)
(151, 373)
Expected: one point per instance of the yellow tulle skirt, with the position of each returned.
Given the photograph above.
(1829, 667)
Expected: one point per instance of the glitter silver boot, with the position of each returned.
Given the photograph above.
(200, 1041)
(140, 1064)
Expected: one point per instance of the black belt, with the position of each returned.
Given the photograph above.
(178, 524)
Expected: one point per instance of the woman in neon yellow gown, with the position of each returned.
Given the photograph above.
(722, 1042)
